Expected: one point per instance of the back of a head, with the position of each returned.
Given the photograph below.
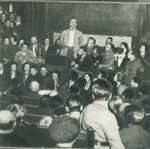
(81, 82)
(44, 101)
(128, 95)
(34, 86)
(102, 89)
(49, 84)
(16, 91)
(55, 102)
(73, 75)
(74, 89)
(64, 129)
(74, 102)
(104, 74)
(7, 122)
(144, 89)
(134, 114)
(60, 111)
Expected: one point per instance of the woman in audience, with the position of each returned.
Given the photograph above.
(88, 77)
(125, 46)
(134, 136)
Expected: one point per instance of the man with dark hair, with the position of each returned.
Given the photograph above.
(7, 52)
(72, 38)
(97, 116)
(37, 49)
(19, 26)
(34, 73)
(44, 73)
(56, 77)
(132, 68)
(128, 95)
(7, 135)
(83, 63)
(74, 105)
(74, 89)
(110, 41)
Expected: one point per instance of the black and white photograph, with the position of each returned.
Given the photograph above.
(75, 74)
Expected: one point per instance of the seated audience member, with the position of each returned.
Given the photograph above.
(19, 26)
(85, 94)
(135, 83)
(20, 42)
(27, 78)
(96, 55)
(34, 89)
(125, 47)
(34, 72)
(46, 44)
(109, 40)
(44, 73)
(12, 73)
(24, 55)
(18, 110)
(120, 89)
(107, 58)
(97, 117)
(134, 136)
(88, 77)
(56, 77)
(91, 41)
(48, 86)
(114, 104)
(13, 40)
(120, 59)
(74, 105)
(82, 63)
(16, 91)
(128, 95)
(7, 135)
(44, 101)
(12, 16)
(8, 30)
(15, 83)
(64, 131)
(74, 89)
(7, 52)
(37, 49)
(132, 68)
(73, 76)
(55, 102)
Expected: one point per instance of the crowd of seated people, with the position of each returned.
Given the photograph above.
(105, 91)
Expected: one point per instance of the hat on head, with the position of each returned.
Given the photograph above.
(64, 129)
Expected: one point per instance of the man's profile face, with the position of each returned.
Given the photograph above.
(43, 71)
(55, 76)
(46, 41)
(90, 43)
(6, 41)
(73, 23)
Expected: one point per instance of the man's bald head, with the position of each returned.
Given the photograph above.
(34, 86)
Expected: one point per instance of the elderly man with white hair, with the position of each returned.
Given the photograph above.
(34, 89)
(7, 136)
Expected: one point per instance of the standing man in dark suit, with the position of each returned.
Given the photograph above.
(72, 38)
(19, 26)
(37, 49)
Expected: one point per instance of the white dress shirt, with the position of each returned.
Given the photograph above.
(71, 37)
(34, 48)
